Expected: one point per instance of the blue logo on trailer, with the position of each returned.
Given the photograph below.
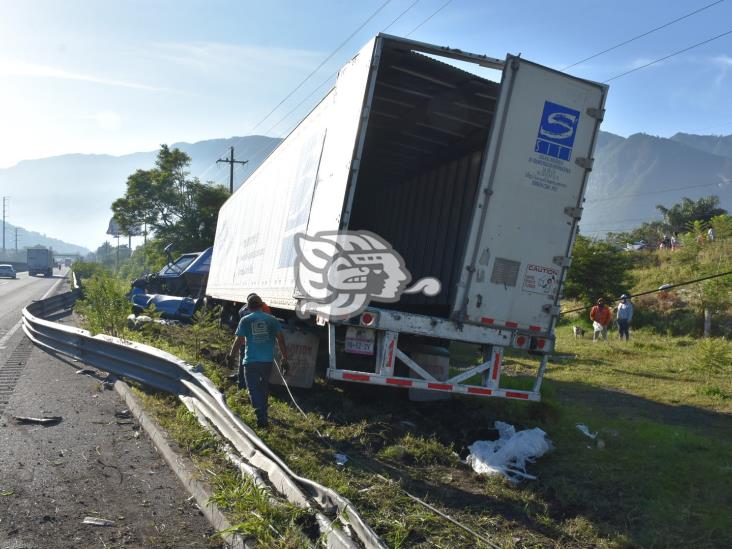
(556, 131)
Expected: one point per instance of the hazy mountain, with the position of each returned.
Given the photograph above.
(716, 144)
(32, 238)
(631, 175)
(69, 197)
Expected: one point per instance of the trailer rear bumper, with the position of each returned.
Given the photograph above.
(389, 325)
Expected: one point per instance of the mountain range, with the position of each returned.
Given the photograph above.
(632, 175)
(68, 197)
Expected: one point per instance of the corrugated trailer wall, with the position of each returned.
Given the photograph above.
(427, 130)
(426, 220)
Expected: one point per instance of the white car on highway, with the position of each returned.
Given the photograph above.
(7, 271)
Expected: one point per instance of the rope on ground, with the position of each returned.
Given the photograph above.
(385, 479)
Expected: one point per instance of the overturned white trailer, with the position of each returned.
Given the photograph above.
(474, 181)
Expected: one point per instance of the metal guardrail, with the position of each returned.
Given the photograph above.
(166, 372)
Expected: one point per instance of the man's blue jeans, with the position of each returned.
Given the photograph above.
(256, 375)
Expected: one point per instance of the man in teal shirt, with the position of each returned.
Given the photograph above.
(258, 331)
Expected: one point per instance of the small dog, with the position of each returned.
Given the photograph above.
(578, 332)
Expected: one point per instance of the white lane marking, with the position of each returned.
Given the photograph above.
(10, 333)
(52, 288)
(3, 283)
(14, 329)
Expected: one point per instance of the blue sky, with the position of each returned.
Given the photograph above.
(118, 77)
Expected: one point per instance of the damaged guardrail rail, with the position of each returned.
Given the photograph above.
(166, 372)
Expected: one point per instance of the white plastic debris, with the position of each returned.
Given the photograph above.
(586, 431)
(509, 454)
(341, 459)
(95, 521)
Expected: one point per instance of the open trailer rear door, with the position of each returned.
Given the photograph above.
(530, 196)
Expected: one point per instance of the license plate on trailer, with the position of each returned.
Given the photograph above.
(360, 341)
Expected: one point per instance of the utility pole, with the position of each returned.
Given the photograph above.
(230, 161)
(16, 240)
(5, 198)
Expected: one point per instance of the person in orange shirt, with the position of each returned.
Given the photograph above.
(601, 317)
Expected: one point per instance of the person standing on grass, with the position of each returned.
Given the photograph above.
(624, 315)
(601, 317)
(258, 332)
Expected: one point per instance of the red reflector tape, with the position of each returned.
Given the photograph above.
(541, 343)
(510, 324)
(395, 381)
(496, 366)
(535, 328)
(486, 320)
(356, 377)
(479, 391)
(512, 394)
(440, 386)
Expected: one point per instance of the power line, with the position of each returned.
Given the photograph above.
(623, 221)
(669, 56)
(656, 192)
(616, 46)
(328, 78)
(438, 10)
(663, 288)
(398, 17)
(323, 62)
(302, 82)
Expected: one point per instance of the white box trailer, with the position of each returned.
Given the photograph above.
(476, 182)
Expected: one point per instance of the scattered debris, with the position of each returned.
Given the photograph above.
(509, 454)
(7, 493)
(567, 356)
(109, 381)
(582, 428)
(123, 414)
(86, 371)
(341, 459)
(95, 521)
(46, 421)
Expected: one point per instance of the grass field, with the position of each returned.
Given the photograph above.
(658, 475)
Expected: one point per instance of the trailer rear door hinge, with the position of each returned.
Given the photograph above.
(562, 261)
(551, 309)
(585, 163)
(596, 113)
(573, 211)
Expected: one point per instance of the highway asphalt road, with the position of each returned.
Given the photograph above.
(90, 464)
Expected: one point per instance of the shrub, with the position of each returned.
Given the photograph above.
(86, 269)
(713, 356)
(105, 306)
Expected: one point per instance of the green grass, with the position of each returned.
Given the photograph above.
(272, 522)
(660, 477)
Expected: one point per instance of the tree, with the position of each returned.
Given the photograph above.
(598, 270)
(175, 208)
(678, 217)
(722, 225)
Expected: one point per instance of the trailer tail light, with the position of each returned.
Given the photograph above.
(368, 318)
(541, 344)
(521, 341)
